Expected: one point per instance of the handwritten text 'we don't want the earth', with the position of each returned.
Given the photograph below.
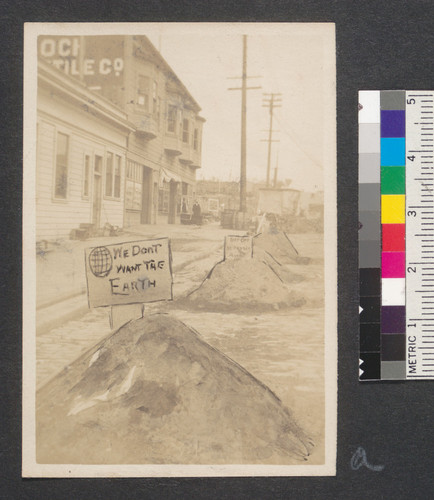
(141, 283)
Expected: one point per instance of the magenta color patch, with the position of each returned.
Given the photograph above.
(393, 264)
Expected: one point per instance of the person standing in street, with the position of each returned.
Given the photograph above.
(196, 218)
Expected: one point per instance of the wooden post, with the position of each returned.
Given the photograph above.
(122, 314)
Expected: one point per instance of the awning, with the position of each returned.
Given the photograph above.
(167, 176)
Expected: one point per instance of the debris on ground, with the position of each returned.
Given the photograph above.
(155, 392)
(88, 230)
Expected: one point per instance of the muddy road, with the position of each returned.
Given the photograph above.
(283, 349)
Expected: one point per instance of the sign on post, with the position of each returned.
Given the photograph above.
(129, 273)
(237, 247)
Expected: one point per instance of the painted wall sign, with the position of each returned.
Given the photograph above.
(128, 273)
(98, 61)
(237, 247)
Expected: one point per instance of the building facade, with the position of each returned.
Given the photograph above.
(154, 155)
(80, 157)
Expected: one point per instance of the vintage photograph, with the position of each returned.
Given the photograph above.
(179, 250)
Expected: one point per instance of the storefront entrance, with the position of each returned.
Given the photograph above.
(138, 194)
(169, 197)
(146, 213)
(173, 200)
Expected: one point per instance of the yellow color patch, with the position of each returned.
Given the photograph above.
(393, 209)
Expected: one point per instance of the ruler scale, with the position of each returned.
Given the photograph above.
(396, 234)
(419, 234)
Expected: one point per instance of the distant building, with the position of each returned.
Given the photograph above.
(227, 193)
(139, 124)
(288, 201)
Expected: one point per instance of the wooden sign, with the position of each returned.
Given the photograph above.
(129, 273)
(237, 247)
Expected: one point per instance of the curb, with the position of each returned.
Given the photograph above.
(57, 314)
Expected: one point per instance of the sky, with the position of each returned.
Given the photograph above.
(293, 60)
(296, 60)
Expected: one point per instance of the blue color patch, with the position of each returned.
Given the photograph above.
(393, 152)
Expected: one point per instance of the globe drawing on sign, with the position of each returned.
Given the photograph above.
(100, 262)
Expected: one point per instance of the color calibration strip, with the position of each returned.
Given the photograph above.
(396, 214)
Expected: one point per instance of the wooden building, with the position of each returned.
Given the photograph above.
(163, 134)
(80, 159)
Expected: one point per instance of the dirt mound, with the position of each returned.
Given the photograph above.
(280, 247)
(242, 285)
(281, 270)
(155, 392)
(305, 225)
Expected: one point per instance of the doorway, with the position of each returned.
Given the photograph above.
(155, 203)
(172, 202)
(96, 198)
(146, 212)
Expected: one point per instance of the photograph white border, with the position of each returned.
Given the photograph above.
(29, 466)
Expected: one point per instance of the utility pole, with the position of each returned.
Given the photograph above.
(243, 88)
(275, 171)
(271, 102)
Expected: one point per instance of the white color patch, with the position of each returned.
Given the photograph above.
(370, 100)
(393, 291)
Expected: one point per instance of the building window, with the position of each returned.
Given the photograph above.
(196, 139)
(143, 92)
(61, 182)
(109, 175)
(86, 176)
(171, 118)
(185, 130)
(154, 98)
(113, 173)
(133, 188)
(98, 164)
(117, 180)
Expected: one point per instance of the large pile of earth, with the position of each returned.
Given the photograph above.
(304, 225)
(241, 285)
(283, 271)
(280, 247)
(154, 392)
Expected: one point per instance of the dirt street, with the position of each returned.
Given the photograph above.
(282, 349)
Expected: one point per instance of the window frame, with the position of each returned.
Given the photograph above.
(145, 92)
(55, 196)
(163, 198)
(154, 96)
(114, 157)
(185, 131)
(172, 107)
(134, 177)
(88, 178)
(108, 155)
(118, 164)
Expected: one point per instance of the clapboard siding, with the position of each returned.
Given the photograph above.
(88, 135)
(96, 127)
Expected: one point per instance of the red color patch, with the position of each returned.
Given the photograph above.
(393, 236)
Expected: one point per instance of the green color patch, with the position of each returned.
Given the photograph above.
(392, 180)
